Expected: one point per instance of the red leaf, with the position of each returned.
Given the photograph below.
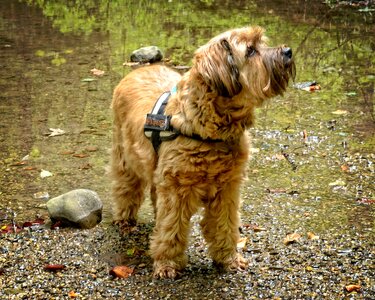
(56, 225)
(121, 271)
(353, 288)
(56, 267)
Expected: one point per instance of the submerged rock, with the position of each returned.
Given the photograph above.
(80, 208)
(147, 54)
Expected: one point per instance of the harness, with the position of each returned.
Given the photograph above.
(158, 127)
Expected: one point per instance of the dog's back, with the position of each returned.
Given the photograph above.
(133, 98)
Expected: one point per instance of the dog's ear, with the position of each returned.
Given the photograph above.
(217, 66)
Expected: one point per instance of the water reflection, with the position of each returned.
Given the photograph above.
(49, 47)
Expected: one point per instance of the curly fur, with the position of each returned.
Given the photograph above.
(231, 76)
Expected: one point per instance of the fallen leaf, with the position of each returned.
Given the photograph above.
(256, 228)
(80, 155)
(29, 168)
(130, 252)
(97, 72)
(312, 88)
(131, 64)
(312, 236)
(309, 268)
(41, 195)
(353, 288)
(45, 173)
(68, 152)
(19, 163)
(72, 294)
(121, 271)
(291, 238)
(367, 201)
(338, 182)
(305, 135)
(88, 79)
(10, 228)
(33, 223)
(56, 267)
(55, 132)
(340, 112)
(56, 225)
(242, 243)
(344, 168)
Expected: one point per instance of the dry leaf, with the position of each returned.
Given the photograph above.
(72, 294)
(312, 88)
(340, 112)
(312, 236)
(131, 64)
(345, 168)
(56, 267)
(45, 173)
(242, 242)
(258, 229)
(121, 271)
(309, 268)
(291, 238)
(56, 132)
(82, 155)
(353, 288)
(97, 72)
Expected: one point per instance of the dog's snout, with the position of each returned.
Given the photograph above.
(287, 52)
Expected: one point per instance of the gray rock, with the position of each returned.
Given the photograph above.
(80, 208)
(147, 54)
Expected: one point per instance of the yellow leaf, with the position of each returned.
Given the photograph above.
(340, 112)
(241, 242)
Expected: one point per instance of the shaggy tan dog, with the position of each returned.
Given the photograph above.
(205, 165)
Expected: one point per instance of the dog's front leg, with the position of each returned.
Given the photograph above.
(220, 228)
(171, 233)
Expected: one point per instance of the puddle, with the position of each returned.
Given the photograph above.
(312, 166)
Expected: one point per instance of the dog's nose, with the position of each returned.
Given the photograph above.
(287, 52)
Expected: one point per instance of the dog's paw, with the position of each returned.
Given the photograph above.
(236, 263)
(163, 270)
(125, 227)
(239, 263)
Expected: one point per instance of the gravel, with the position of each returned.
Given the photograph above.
(307, 269)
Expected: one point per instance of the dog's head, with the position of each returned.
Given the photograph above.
(239, 61)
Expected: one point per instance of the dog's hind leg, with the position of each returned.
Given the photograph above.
(220, 228)
(127, 187)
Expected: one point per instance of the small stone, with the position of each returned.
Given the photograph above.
(146, 54)
(81, 208)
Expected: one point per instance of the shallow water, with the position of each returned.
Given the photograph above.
(312, 153)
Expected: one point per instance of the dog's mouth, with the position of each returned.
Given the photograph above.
(281, 68)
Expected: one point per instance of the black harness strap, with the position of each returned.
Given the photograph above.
(158, 127)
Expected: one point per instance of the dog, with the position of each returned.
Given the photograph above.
(205, 162)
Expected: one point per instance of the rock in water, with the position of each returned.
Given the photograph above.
(147, 54)
(80, 208)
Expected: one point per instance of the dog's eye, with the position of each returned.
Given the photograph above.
(251, 51)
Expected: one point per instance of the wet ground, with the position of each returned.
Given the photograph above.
(312, 166)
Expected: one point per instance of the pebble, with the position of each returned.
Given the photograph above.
(149, 54)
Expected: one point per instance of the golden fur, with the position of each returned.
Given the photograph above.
(231, 75)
